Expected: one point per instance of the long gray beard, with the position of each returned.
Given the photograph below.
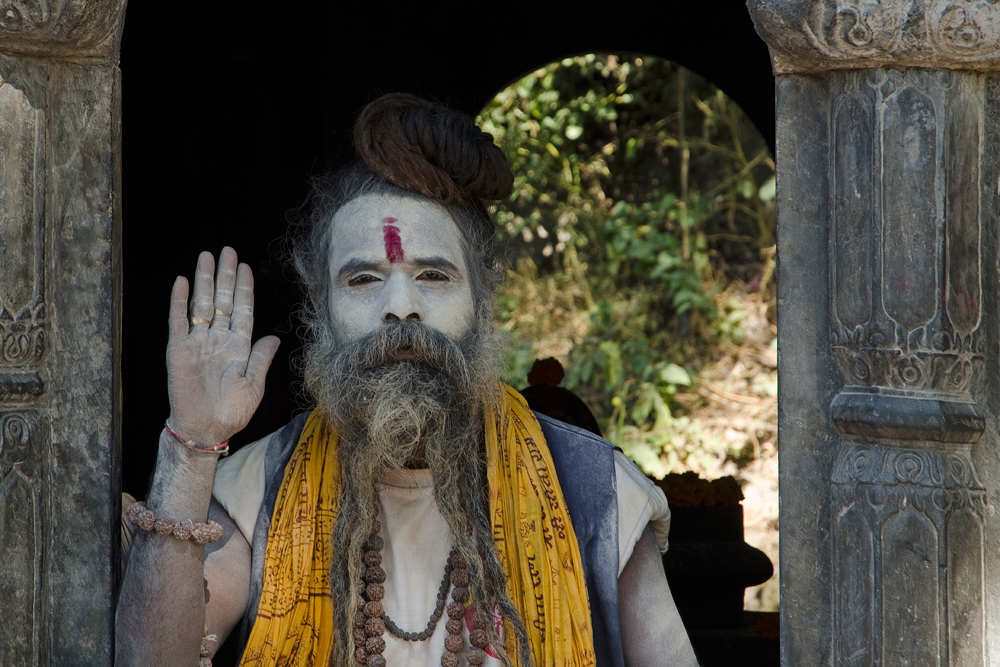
(388, 412)
(397, 405)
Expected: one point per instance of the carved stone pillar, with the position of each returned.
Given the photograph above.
(888, 159)
(60, 269)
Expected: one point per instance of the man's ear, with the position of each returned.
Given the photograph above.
(314, 299)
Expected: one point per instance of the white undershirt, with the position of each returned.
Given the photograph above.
(417, 543)
(413, 558)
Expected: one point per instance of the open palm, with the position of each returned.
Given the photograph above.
(215, 376)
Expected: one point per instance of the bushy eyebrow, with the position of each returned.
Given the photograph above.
(354, 265)
(434, 262)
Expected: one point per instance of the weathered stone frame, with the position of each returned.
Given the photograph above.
(888, 421)
(888, 167)
(60, 324)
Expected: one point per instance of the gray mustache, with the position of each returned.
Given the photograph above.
(426, 346)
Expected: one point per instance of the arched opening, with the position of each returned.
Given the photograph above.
(226, 171)
(641, 240)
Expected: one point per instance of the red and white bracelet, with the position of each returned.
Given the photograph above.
(216, 449)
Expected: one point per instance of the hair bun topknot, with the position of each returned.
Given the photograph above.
(428, 148)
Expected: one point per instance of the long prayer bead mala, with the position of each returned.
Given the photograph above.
(371, 621)
(442, 599)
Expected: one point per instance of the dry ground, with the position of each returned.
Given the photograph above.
(730, 411)
(735, 399)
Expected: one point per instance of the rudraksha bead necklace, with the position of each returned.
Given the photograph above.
(442, 599)
(371, 621)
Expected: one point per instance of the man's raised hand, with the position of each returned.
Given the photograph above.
(215, 378)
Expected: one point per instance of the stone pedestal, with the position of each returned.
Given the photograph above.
(888, 161)
(60, 283)
(709, 566)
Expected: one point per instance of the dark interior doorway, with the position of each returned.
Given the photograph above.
(226, 112)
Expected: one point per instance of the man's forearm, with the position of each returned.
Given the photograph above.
(652, 630)
(161, 608)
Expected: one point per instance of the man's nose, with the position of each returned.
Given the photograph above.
(402, 301)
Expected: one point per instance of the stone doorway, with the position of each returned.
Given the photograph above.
(222, 117)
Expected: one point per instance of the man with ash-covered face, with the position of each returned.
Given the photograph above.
(421, 514)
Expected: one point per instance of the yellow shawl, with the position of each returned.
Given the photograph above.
(532, 533)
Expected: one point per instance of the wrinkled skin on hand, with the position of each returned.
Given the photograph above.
(215, 377)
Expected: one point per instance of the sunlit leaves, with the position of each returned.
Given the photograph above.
(767, 191)
(635, 215)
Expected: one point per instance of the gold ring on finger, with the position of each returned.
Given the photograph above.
(199, 320)
(223, 313)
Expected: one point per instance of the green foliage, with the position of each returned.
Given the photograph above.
(640, 188)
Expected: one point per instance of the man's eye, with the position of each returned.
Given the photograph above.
(363, 279)
(433, 275)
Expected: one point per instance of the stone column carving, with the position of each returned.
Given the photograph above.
(60, 213)
(888, 132)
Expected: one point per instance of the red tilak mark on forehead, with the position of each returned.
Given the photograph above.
(393, 244)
